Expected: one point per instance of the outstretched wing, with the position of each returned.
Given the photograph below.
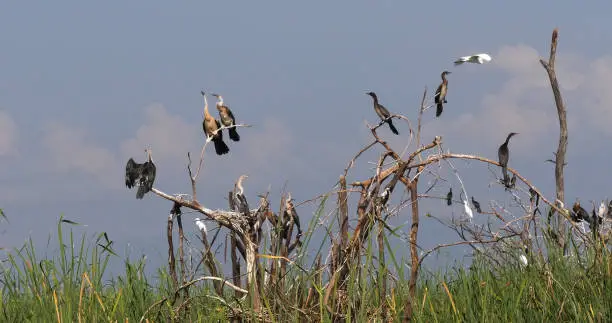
(132, 170)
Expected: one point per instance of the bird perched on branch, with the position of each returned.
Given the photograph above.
(503, 153)
(440, 97)
(240, 202)
(227, 118)
(382, 112)
(141, 175)
(210, 125)
(449, 197)
(477, 59)
(476, 205)
(579, 213)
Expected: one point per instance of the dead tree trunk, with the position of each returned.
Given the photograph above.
(561, 149)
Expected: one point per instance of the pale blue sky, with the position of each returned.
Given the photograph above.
(100, 80)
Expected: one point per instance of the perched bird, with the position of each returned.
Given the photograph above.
(449, 197)
(210, 125)
(476, 205)
(467, 209)
(382, 112)
(609, 213)
(601, 212)
(201, 225)
(240, 202)
(440, 97)
(141, 175)
(384, 195)
(579, 213)
(477, 59)
(504, 155)
(227, 118)
(523, 257)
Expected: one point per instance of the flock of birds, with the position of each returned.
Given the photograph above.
(142, 175)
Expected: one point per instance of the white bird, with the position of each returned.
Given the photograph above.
(467, 209)
(602, 210)
(478, 59)
(201, 225)
(523, 260)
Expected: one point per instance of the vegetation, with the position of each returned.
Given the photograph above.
(532, 262)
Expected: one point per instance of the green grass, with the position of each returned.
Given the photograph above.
(70, 286)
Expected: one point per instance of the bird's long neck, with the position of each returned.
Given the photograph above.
(219, 101)
(508, 139)
(206, 114)
(375, 98)
(444, 79)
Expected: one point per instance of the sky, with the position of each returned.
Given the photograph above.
(85, 86)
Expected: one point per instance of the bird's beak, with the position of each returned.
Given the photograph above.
(203, 94)
(215, 95)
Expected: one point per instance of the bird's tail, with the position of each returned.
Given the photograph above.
(233, 134)
(142, 190)
(439, 109)
(220, 146)
(392, 127)
(506, 177)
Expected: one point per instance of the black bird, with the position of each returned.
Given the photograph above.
(476, 205)
(504, 155)
(141, 175)
(210, 125)
(227, 118)
(440, 97)
(382, 112)
(579, 213)
(609, 213)
(449, 197)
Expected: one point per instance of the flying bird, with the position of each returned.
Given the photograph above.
(141, 175)
(382, 112)
(227, 118)
(210, 125)
(477, 59)
(503, 153)
(440, 97)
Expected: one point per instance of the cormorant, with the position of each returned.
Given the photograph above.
(476, 205)
(210, 125)
(478, 59)
(579, 213)
(141, 175)
(449, 197)
(504, 154)
(440, 97)
(227, 118)
(382, 112)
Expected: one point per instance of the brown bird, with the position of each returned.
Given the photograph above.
(503, 153)
(382, 112)
(227, 118)
(440, 97)
(210, 125)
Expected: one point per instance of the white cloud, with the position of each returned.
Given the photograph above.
(169, 136)
(69, 150)
(8, 134)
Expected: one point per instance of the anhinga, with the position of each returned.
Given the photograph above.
(210, 125)
(504, 155)
(227, 118)
(141, 175)
(240, 202)
(440, 97)
(382, 112)
(476, 205)
(449, 197)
